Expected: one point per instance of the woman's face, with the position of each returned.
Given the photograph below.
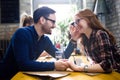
(81, 23)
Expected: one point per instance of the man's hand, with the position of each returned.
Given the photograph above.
(61, 65)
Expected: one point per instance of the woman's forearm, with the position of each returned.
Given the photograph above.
(89, 68)
(94, 68)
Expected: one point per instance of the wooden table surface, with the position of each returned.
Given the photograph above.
(72, 75)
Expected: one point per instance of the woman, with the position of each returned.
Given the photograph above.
(99, 44)
(26, 20)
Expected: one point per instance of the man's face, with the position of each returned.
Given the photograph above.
(49, 24)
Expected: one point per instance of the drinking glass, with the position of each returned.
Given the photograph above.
(59, 54)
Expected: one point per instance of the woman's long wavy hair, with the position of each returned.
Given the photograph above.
(94, 23)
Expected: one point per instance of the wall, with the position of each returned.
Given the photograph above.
(6, 30)
(113, 18)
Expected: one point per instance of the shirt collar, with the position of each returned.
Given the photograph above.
(35, 33)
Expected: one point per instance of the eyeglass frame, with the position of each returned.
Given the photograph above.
(53, 21)
(76, 22)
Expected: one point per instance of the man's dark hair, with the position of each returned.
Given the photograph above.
(42, 11)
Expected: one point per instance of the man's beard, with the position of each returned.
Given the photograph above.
(45, 29)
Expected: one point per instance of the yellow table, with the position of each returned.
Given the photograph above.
(84, 76)
(73, 75)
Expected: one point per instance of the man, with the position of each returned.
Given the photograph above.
(29, 42)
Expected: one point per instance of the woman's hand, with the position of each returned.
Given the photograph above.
(74, 67)
(90, 68)
(74, 32)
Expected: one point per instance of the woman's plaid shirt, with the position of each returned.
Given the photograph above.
(99, 48)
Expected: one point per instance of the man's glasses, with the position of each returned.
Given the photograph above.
(53, 21)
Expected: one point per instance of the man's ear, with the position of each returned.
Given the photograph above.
(42, 20)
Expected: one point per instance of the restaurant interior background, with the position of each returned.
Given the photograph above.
(108, 11)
